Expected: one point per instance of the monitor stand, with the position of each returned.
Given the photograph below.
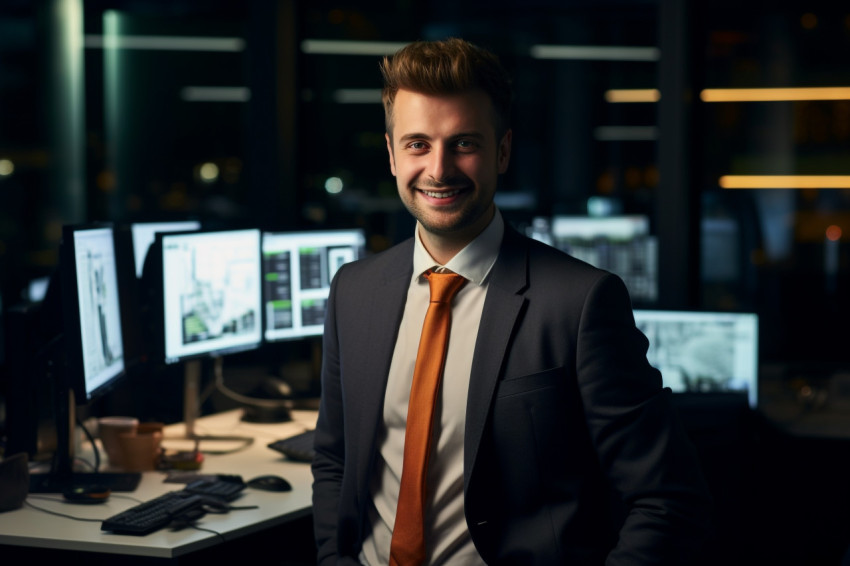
(255, 409)
(192, 410)
(62, 477)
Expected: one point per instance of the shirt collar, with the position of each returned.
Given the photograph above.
(473, 262)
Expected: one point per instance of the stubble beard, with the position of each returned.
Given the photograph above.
(451, 223)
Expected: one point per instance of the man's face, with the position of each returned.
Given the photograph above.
(446, 160)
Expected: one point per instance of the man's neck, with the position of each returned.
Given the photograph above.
(443, 247)
(440, 248)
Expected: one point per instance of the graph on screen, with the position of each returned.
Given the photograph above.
(97, 293)
(212, 292)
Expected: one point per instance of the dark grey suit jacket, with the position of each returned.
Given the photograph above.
(563, 412)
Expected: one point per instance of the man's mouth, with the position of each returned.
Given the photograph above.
(440, 194)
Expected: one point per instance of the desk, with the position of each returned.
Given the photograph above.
(28, 527)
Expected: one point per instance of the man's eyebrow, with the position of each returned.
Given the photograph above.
(414, 136)
(459, 135)
(476, 135)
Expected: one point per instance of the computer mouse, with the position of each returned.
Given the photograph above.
(269, 483)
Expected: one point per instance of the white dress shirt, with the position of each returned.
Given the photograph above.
(447, 539)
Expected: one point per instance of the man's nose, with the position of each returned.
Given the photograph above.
(441, 164)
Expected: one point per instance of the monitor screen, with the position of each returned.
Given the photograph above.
(619, 244)
(618, 228)
(92, 309)
(540, 229)
(297, 269)
(37, 289)
(144, 234)
(211, 292)
(703, 351)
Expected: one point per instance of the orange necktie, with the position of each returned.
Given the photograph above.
(408, 542)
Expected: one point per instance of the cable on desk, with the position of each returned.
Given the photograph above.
(218, 383)
(246, 441)
(57, 513)
(90, 437)
(216, 533)
(260, 431)
(94, 467)
(87, 520)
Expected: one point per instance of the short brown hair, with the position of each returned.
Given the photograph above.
(447, 67)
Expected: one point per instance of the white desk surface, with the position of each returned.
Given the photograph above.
(34, 528)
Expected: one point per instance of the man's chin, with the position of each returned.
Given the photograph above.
(454, 226)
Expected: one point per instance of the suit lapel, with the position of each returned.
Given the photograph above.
(387, 298)
(383, 307)
(501, 308)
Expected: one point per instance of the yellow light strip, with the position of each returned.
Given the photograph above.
(785, 181)
(633, 95)
(774, 94)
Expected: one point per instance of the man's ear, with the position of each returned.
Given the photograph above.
(504, 156)
(390, 151)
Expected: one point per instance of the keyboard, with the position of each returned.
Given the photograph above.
(157, 513)
(298, 447)
(225, 489)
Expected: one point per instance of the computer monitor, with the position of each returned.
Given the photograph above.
(91, 309)
(589, 228)
(88, 352)
(700, 352)
(211, 293)
(297, 271)
(208, 302)
(36, 289)
(620, 244)
(540, 229)
(144, 233)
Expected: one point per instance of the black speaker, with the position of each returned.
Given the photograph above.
(14, 481)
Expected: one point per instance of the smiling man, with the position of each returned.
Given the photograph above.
(447, 156)
(538, 404)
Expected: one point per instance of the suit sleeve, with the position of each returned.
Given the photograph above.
(329, 460)
(642, 446)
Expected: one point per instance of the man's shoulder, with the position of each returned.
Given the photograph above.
(542, 255)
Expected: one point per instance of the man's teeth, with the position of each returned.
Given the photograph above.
(443, 194)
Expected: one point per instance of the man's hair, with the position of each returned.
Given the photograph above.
(452, 66)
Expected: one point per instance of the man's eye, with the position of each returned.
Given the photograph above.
(417, 145)
(465, 144)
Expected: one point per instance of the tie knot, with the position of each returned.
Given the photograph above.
(444, 286)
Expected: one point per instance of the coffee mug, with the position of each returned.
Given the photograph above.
(140, 451)
(110, 430)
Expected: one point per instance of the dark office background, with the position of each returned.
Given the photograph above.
(258, 113)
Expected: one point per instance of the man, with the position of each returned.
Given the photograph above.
(547, 404)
